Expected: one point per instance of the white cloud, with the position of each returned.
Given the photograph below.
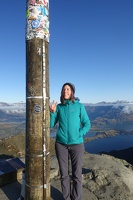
(128, 109)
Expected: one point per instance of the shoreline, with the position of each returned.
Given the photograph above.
(14, 146)
(109, 133)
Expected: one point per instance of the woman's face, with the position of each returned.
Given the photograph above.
(67, 92)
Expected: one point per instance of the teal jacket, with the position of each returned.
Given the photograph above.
(73, 122)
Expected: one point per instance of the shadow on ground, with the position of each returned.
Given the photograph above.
(11, 191)
(56, 194)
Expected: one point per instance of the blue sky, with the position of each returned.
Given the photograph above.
(91, 45)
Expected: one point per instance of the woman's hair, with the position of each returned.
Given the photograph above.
(72, 97)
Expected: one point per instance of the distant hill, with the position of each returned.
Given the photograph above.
(12, 112)
(110, 114)
(12, 119)
(103, 115)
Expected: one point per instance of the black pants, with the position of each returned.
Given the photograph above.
(75, 153)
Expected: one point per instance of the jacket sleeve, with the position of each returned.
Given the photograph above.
(53, 119)
(85, 121)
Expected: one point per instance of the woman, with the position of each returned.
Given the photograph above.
(73, 123)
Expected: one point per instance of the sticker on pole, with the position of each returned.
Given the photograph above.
(37, 109)
(37, 15)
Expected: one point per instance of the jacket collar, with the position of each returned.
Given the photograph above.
(67, 102)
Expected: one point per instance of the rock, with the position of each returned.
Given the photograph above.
(109, 178)
(104, 177)
(54, 169)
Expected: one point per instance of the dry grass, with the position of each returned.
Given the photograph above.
(15, 146)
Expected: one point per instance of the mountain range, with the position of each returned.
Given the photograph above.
(104, 177)
(103, 115)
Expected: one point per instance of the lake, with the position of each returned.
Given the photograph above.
(108, 144)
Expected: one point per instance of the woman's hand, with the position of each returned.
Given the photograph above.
(52, 107)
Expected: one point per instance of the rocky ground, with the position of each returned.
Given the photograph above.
(104, 176)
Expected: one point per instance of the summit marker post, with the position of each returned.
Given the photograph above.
(37, 164)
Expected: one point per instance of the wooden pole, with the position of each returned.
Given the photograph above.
(37, 173)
